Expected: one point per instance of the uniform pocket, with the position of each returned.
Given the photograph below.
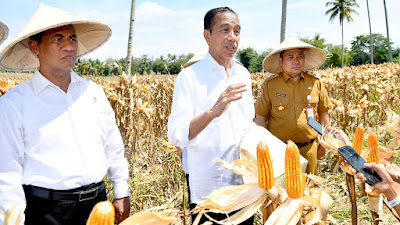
(280, 107)
(314, 99)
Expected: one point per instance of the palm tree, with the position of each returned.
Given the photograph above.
(130, 39)
(283, 20)
(371, 47)
(343, 9)
(387, 31)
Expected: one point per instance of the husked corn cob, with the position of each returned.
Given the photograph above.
(265, 171)
(103, 213)
(358, 140)
(293, 177)
(373, 155)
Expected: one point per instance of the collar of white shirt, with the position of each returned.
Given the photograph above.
(213, 65)
(40, 82)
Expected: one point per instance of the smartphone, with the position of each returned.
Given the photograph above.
(357, 162)
(317, 126)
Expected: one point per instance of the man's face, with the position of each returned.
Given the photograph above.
(292, 62)
(223, 38)
(57, 50)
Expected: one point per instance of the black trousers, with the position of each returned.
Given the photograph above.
(216, 216)
(41, 211)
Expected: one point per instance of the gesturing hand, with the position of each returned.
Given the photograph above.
(232, 93)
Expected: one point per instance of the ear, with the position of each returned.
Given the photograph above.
(206, 35)
(33, 46)
(280, 61)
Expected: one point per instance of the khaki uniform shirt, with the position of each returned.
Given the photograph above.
(283, 102)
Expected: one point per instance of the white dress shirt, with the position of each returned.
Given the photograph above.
(58, 140)
(197, 89)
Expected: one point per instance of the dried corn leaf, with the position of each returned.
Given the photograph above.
(288, 213)
(9, 216)
(329, 142)
(231, 198)
(244, 154)
(393, 123)
(150, 218)
(375, 202)
(244, 213)
(242, 167)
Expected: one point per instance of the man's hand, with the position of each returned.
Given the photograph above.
(320, 152)
(122, 207)
(232, 93)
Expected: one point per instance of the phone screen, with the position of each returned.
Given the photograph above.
(317, 126)
(357, 162)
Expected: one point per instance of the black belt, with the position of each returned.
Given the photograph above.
(299, 145)
(83, 193)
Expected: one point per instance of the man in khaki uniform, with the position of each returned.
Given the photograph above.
(286, 96)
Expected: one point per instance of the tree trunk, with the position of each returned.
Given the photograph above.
(283, 20)
(342, 47)
(371, 47)
(130, 40)
(387, 31)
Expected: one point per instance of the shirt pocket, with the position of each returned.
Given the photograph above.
(314, 101)
(280, 107)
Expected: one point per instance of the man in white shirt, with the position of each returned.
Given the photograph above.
(58, 134)
(212, 107)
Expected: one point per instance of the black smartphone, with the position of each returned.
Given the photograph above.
(317, 126)
(357, 162)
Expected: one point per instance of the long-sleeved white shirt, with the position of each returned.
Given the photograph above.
(58, 140)
(197, 89)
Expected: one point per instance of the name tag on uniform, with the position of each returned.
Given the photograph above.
(280, 95)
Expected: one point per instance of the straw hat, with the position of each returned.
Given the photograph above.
(90, 34)
(314, 56)
(3, 32)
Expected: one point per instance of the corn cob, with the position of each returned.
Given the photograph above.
(358, 140)
(265, 171)
(373, 155)
(293, 178)
(103, 213)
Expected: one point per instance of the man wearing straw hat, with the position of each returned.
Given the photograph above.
(212, 107)
(292, 95)
(3, 32)
(58, 134)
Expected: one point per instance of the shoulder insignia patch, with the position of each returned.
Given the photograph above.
(314, 74)
(259, 93)
(271, 77)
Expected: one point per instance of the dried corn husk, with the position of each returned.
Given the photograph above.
(150, 218)
(249, 198)
(10, 218)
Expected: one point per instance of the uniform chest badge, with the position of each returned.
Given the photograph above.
(281, 108)
(259, 93)
(94, 99)
(280, 95)
(309, 88)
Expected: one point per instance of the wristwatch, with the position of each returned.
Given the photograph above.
(394, 202)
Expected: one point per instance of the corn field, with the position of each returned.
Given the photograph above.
(142, 105)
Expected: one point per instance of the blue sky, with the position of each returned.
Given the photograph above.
(176, 26)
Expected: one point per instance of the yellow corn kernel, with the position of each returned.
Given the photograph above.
(265, 171)
(373, 147)
(293, 178)
(358, 140)
(103, 213)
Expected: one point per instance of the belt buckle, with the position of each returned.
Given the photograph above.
(83, 194)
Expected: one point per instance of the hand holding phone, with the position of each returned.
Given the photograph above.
(357, 162)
